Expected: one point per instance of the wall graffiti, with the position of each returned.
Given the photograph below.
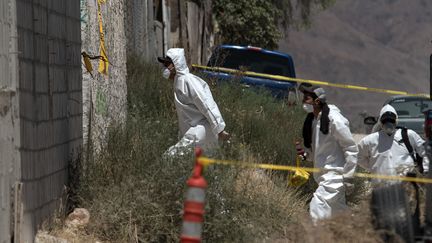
(101, 103)
(83, 14)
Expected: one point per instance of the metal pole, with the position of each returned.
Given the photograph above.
(428, 208)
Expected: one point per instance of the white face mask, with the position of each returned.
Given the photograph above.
(389, 128)
(308, 107)
(166, 73)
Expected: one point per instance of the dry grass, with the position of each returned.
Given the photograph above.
(135, 195)
(354, 226)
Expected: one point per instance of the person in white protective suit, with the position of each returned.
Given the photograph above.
(200, 121)
(330, 145)
(384, 152)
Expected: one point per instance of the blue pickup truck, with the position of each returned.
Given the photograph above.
(257, 60)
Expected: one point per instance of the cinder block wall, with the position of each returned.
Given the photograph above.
(50, 103)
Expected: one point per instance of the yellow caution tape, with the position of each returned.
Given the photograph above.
(316, 82)
(299, 177)
(208, 161)
(103, 63)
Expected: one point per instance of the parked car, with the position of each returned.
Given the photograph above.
(255, 59)
(410, 110)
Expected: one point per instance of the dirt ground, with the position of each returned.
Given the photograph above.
(355, 226)
(352, 227)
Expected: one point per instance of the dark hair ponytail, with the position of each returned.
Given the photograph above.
(324, 125)
(325, 120)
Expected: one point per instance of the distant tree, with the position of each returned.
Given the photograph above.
(257, 22)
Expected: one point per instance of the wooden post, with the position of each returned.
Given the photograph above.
(184, 35)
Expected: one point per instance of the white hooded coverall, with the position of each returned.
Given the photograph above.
(385, 154)
(337, 152)
(200, 120)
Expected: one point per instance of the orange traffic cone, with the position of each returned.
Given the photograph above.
(193, 216)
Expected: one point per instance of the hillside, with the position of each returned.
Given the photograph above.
(381, 44)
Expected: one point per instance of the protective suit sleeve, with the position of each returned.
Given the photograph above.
(419, 146)
(363, 154)
(203, 100)
(309, 154)
(425, 164)
(346, 141)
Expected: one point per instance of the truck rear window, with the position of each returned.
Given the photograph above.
(411, 107)
(251, 60)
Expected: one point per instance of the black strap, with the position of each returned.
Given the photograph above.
(307, 130)
(407, 143)
(417, 159)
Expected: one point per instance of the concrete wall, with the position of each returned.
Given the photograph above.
(104, 96)
(9, 116)
(139, 29)
(50, 105)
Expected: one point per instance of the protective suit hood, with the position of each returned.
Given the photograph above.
(177, 55)
(388, 108)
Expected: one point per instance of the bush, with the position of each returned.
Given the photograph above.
(258, 22)
(134, 194)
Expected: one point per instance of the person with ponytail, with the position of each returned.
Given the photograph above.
(330, 145)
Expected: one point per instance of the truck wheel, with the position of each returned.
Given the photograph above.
(391, 211)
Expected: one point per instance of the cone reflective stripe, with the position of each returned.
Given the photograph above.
(194, 232)
(193, 216)
(195, 194)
